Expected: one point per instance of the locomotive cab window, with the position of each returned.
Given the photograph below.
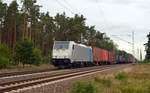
(61, 45)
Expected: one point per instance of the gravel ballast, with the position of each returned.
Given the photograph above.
(66, 85)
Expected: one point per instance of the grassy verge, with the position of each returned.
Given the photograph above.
(135, 79)
(27, 68)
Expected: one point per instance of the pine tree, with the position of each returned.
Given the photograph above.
(47, 33)
(3, 10)
(148, 48)
(31, 14)
(11, 18)
(140, 55)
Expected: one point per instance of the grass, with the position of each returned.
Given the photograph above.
(27, 68)
(135, 79)
(142, 63)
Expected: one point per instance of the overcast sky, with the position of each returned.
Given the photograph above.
(114, 17)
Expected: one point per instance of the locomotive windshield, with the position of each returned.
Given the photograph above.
(61, 45)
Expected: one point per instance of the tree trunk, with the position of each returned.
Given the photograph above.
(24, 26)
(30, 30)
(0, 32)
(43, 42)
(34, 35)
(14, 33)
(23, 64)
(27, 31)
(9, 35)
(0, 36)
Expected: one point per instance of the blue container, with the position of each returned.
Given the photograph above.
(117, 58)
(90, 54)
(124, 59)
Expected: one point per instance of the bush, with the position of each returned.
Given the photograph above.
(24, 52)
(37, 56)
(4, 62)
(5, 55)
(121, 76)
(84, 87)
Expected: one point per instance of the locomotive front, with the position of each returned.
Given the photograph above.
(61, 55)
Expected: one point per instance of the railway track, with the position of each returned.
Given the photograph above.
(30, 73)
(16, 85)
(24, 72)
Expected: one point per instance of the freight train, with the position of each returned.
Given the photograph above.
(67, 54)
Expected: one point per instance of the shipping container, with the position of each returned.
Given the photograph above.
(124, 60)
(112, 58)
(104, 56)
(127, 60)
(117, 58)
(96, 55)
(121, 57)
(131, 60)
(100, 55)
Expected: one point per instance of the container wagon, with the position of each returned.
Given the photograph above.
(124, 60)
(97, 55)
(104, 56)
(110, 58)
(114, 58)
(121, 57)
(118, 61)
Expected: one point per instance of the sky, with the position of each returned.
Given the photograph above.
(117, 18)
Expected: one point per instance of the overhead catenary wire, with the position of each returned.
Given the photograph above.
(62, 5)
(115, 36)
(67, 3)
(70, 10)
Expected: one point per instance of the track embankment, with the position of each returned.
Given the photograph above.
(58, 82)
